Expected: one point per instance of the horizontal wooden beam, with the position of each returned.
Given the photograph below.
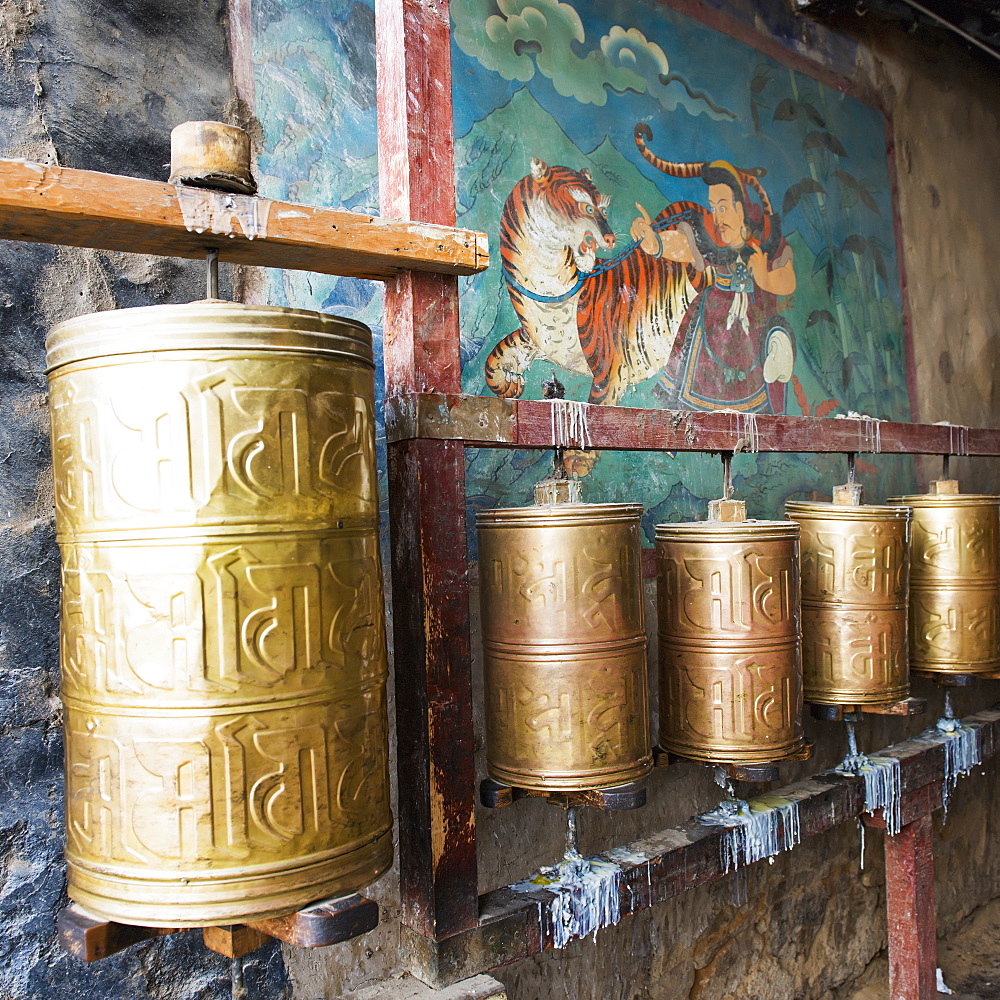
(82, 208)
(489, 421)
(514, 925)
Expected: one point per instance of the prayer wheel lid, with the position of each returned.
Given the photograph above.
(844, 512)
(206, 324)
(946, 500)
(673, 531)
(559, 514)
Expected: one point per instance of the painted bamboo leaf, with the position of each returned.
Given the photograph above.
(855, 244)
(794, 194)
(826, 140)
(821, 316)
(854, 185)
(813, 115)
(786, 111)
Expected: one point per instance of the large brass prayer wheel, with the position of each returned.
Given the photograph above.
(223, 651)
(730, 665)
(564, 645)
(855, 570)
(954, 581)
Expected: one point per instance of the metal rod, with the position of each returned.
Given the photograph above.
(946, 466)
(572, 837)
(851, 462)
(727, 475)
(953, 27)
(212, 275)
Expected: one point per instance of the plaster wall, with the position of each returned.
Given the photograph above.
(99, 84)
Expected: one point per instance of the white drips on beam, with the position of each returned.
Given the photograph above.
(585, 897)
(204, 210)
(962, 752)
(569, 424)
(754, 830)
(869, 431)
(883, 787)
(744, 429)
(958, 437)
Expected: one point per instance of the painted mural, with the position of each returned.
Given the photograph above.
(677, 221)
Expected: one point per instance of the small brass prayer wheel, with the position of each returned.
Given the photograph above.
(954, 580)
(730, 663)
(223, 657)
(564, 644)
(855, 570)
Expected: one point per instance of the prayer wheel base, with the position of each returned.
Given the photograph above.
(91, 938)
(854, 713)
(755, 771)
(495, 794)
(954, 679)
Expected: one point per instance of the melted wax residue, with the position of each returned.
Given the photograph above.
(569, 424)
(961, 754)
(759, 829)
(883, 789)
(585, 896)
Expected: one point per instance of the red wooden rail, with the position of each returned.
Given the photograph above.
(488, 421)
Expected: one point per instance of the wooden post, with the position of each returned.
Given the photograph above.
(909, 889)
(437, 843)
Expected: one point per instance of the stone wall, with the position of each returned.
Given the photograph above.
(98, 84)
(95, 84)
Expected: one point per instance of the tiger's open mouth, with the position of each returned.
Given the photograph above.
(588, 245)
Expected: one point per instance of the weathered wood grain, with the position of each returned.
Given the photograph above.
(82, 208)
(487, 421)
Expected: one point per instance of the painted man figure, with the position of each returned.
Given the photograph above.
(732, 350)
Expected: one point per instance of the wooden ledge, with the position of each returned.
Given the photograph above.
(83, 208)
(489, 421)
(516, 924)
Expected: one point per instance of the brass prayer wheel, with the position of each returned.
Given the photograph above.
(855, 570)
(954, 580)
(222, 641)
(730, 665)
(564, 644)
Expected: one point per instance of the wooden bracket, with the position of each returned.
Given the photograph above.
(496, 795)
(854, 713)
(91, 938)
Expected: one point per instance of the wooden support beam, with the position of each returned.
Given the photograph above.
(432, 651)
(909, 890)
(90, 938)
(488, 421)
(514, 925)
(322, 924)
(82, 208)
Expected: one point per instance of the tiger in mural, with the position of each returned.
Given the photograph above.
(617, 320)
(614, 320)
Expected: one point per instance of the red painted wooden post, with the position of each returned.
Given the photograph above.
(437, 843)
(909, 888)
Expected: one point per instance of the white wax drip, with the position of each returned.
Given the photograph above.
(883, 788)
(585, 896)
(215, 212)
(869, 431)
(962, 752)
(569, 424)
(754, 830)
